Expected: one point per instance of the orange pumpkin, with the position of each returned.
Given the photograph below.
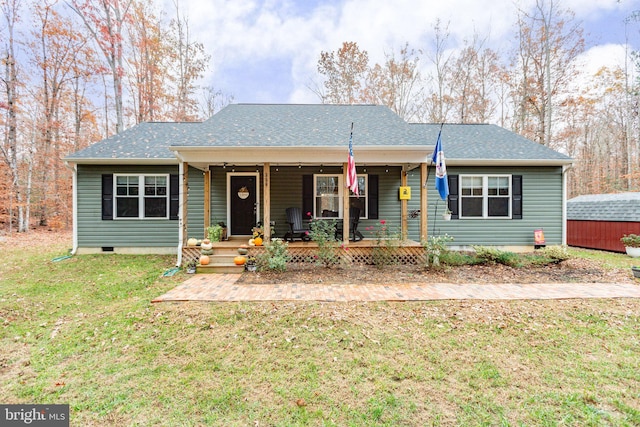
(239, 260)
(204, 260)
(258, 241)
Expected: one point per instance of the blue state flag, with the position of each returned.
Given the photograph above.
(442, 184)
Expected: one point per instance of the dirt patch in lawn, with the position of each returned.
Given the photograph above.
(576, 270)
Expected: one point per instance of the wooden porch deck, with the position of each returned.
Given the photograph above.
(235, 242)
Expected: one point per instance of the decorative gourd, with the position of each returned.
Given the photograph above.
(192, 241)
(204, 260)
(206, 244)
(251, 242)
(258, 241)
(239, 260)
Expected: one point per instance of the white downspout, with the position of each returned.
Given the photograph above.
(180, 210)
(74, 205)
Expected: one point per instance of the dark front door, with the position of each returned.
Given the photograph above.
(243, 204)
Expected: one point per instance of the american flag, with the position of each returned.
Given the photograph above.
(352, 177)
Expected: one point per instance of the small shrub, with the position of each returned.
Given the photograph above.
(274, 257)
(556, 254)
(323, 233)
(457, 259)
(436, 247)
(489, 255)
(387, 243)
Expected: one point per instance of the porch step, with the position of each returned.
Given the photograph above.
(220, 268)
(221, 262)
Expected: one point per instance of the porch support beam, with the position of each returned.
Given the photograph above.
(345, 206)
(423, 201)
(404, 224)
(207, 199)
(266, 207)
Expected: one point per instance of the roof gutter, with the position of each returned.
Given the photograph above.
(509, 162)
(302, 155)
(120, 161)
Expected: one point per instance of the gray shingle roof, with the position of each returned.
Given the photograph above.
(287, 125)
(485, 141)
(322, 125)
(605, 207)
(148, 141)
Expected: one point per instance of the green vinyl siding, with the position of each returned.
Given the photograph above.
(286, 191)
(94, 232)
(542, 208)
(195, 204)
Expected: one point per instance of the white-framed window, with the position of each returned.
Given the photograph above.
(141, 196)
(328, 196)
(485, 196)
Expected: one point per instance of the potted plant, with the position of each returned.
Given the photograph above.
(446, 215)
(250, 264)
(223, 235)
(215, 233)
(631, 243)
(191, 266)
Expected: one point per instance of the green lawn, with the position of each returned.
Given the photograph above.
(82, 331)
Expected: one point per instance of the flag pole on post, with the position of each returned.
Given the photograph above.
(352, 176)
(442, 183)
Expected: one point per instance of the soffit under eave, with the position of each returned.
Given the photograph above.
(321, 155)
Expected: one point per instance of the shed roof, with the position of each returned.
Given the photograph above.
(623, 207)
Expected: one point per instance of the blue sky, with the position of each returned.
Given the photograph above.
(266, 51)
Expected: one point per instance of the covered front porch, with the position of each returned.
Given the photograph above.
(244, 195)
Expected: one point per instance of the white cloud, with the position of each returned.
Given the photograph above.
(242, 33)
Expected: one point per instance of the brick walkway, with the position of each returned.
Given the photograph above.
(223, 287)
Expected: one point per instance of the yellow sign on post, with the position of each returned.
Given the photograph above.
(405, 193)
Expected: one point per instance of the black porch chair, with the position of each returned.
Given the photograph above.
(297, 229)
(354, 220)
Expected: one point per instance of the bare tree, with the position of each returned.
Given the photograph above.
(189, 62)
(105, 20)
(345, 73)
(10, 12)
(549, 42)
(395, 83)
(213, 101)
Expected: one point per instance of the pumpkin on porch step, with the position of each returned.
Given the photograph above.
(258, 241)
(204, 260)
(239, 260)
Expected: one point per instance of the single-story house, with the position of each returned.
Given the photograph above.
(151, 187)
(598, 221)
